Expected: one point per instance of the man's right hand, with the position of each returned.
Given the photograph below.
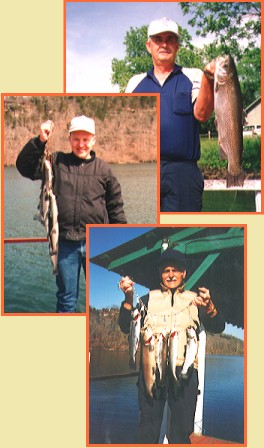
(46, 130)
(209, 69)
(126, 284)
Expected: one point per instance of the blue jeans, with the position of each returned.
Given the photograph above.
(72, 256)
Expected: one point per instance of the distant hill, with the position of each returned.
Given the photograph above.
(104, 333)
(126, 126)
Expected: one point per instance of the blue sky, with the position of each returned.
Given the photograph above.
(95, 32)
(103, 285)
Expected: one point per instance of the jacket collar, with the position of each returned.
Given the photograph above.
(79, 161)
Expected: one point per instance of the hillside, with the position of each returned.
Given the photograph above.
(105, 334)
(126, 130)
(126, 127)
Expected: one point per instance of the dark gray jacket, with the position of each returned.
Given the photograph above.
(87, 192)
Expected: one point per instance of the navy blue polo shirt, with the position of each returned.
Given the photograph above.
(179, 130)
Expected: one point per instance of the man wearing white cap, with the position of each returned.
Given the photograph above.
(86, 192)
(186, 98)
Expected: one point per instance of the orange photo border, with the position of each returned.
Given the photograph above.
(244, 226)
(27, 240)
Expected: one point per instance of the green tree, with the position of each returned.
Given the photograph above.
(248, 69)
(230, 24)
(234, 28)
(136, 60)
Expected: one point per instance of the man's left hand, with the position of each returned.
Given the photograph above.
(203, 299)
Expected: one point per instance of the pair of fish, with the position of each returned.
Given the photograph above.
(154, 359)
(153, 352)
(191, 352)
(230, 118)
(48, 210)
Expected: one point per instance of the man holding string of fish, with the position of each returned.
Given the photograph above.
(187, 97)
(167, 322)
(86, 192)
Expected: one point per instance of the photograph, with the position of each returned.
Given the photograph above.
(165, 336)
(203, 59)
(132, 221)
(92, 160)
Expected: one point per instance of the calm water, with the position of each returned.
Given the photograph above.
(114, 408)
(29, 282)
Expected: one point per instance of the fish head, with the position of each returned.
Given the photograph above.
(147, 335)
(191, 333)
(225, 68)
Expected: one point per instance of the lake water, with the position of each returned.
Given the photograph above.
(29, 282)
(113, 413)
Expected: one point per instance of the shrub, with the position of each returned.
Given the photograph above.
(213, 166)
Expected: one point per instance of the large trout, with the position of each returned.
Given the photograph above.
(229, 118)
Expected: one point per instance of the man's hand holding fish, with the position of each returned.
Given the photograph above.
(126, 285)
(209, 70)
(46, 130)
(204, 301)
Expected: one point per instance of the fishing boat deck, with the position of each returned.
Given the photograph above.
(207, 440)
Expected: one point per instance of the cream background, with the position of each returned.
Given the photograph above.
(42, 358)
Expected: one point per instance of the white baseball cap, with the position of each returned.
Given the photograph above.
(162, 26)
(82, 123)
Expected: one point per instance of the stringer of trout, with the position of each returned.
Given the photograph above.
(47, 208)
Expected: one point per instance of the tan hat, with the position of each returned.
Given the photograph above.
(82, 123)
(162, 26)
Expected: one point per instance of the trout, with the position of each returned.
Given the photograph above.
(48, 210)
(161, 357)
(230, 118)
(134, 335)
(148, 360)
(191, 352)
(173, 353)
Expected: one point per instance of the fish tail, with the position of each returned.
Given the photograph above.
(54, 262)
(132, 364)
(55, 268)
(149, 392)
(235, 181)
(184, 376)
(176, 388)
